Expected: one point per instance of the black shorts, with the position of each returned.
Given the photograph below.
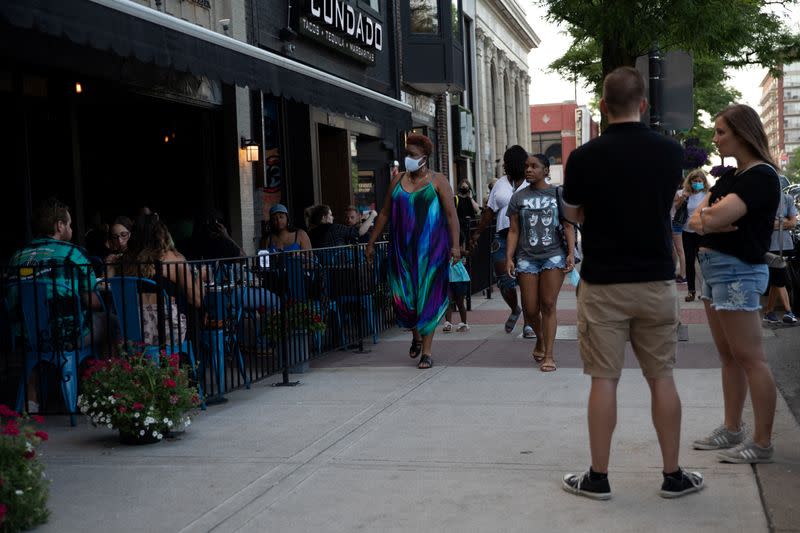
(777, 277)
(459, 289)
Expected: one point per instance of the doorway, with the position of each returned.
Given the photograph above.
(335, 168)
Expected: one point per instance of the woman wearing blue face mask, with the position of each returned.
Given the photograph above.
(423, 244)
(695, 187)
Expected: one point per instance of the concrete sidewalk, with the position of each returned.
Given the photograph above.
(479, 443)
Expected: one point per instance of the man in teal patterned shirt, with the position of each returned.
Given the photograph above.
(66, 269)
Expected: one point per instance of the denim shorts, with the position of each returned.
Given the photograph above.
(677, 229)
(535, 267)
(730, 284)
(499, 248)
(504, 281)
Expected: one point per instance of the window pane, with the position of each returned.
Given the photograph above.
(424, 16)
(456, 22)
(374, 4)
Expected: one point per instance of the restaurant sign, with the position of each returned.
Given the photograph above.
(339, 25)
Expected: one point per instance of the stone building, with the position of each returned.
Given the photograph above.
(503, 40)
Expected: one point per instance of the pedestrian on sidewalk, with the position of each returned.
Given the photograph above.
(423, 244)
(514, 164)
(781, 244)
(679, 216)
(735, 222)
(539, 252)
(695, 188)
(459, 288)
(628, 288)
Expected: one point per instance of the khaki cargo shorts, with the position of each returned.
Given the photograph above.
(647, 313)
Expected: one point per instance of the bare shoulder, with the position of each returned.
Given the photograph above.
(440, 181)
(173, 255)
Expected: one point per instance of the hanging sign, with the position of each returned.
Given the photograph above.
(343, 27)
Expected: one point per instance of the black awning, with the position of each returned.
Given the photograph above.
(133, 31)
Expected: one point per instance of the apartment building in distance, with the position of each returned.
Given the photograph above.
(780, 112)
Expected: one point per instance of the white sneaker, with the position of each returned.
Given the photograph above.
(448, 327)
(33, 407)
(462, 327)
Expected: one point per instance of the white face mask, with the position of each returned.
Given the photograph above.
(412, 165)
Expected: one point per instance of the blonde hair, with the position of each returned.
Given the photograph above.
(696, 173)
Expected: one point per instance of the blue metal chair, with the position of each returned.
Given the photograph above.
(45, 338)
(220, 335)
(298, 275)
(358, 273)
(126, 293)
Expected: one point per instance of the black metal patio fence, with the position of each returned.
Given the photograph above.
(234, 321)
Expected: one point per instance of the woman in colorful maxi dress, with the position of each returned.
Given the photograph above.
(423, 243)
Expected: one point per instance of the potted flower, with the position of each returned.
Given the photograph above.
(142, 397)
(288, 328)
(23, 487)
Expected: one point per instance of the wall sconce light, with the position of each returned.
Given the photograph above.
(250, 148)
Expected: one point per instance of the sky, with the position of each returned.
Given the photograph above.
(551, 88)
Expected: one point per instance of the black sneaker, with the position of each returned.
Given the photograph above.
(675, 488)
(582, 485)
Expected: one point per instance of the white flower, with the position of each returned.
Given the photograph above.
(160, 436)
(135, 415)
(169, 423)
(166, 420)
(188, 422)
(155, 433)
(18, 492)
(149, 420)
(28, 446)
(94, 404)
(110, 426)
(141, 433)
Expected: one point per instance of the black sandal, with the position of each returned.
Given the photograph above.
(416, 348)
(425, 362)
(689, 297)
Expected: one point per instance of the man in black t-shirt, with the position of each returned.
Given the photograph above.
(620, 188)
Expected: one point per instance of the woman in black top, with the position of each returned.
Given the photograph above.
(735, 225)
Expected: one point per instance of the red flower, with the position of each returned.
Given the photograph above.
(170, 383)
(137, 406)
(174, 360)
(29, 455)
(195, 399)
(117, 395)
(38, 419)
(173, 399)
(122, 409)
(11, 429)
(42, 435)
(2, 512)
(7, 412)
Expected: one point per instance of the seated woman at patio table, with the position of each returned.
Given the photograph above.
(118, 236)
(150, 242)
(281, 236)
